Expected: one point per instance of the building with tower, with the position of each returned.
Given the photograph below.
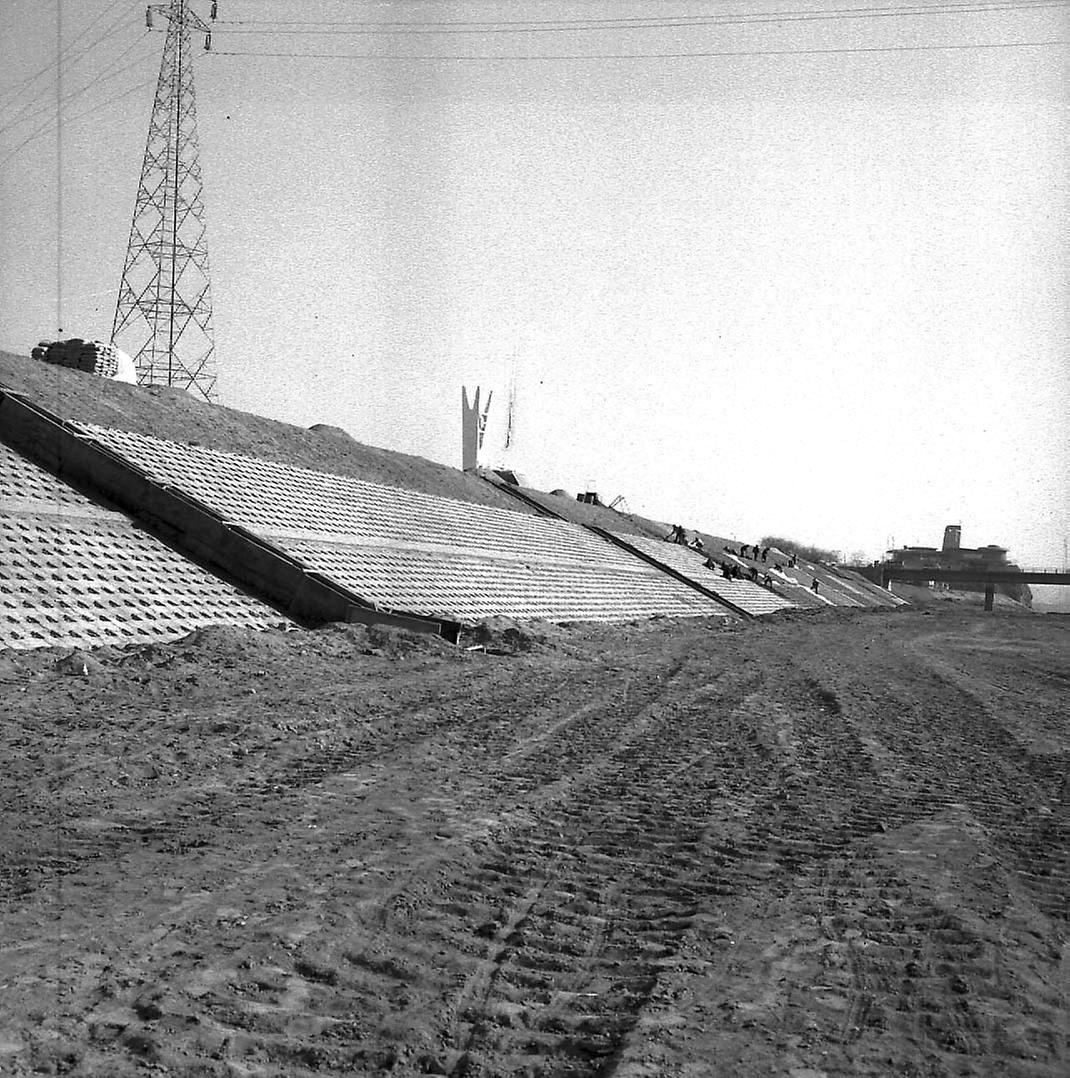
(953, 555)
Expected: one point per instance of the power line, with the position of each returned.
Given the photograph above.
(102, 78)
(72, 119)
(55, 120)
(550, 26)
(104, 75)
(64, 68)
(642, 22)
(643, 55)
(13, 91)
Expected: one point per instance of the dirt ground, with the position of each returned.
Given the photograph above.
(831, 844)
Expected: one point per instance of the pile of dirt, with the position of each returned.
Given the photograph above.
(509, 635)
(79, 663)
(389, 640)
(828, 846)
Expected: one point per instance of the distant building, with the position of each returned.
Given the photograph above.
(954, 556)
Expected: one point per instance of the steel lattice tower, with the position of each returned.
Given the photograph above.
(163, 317)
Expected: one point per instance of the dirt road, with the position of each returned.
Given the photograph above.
(831, 845)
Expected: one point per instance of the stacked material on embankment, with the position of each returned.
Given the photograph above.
(73, 572)
(867, 589)
(835, 586)
(399, 550)
(91, 357)
(594, 515)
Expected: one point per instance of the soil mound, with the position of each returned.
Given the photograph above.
(79, 663)
(509, 635)
(388, 640)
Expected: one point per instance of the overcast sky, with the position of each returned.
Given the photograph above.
(821, 295)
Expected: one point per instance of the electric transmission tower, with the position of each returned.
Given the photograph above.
(163, 317)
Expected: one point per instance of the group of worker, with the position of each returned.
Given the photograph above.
(757, 553)
(679, 535)
(730, 570)
(751, 552)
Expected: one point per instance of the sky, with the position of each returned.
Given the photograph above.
(756, 272)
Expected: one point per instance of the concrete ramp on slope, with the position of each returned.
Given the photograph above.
(74, 573)
(412, 553)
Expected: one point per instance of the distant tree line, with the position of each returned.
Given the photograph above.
(804, 550)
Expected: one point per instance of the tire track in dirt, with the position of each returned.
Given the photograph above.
(571, 961)
(259, 1025)
(832, 797)
(191, 816)
(507, 883)
(890, 951)
(892, 956)
(951, 748)
(685, 835)
(1020, 796)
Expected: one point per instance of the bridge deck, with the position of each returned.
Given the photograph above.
(978, 576)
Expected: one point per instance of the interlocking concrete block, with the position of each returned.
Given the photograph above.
(470, 588)
(413, 552)
(72, 574)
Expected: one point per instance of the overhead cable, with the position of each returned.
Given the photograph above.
(105, 74)
(13, 91)
(99, 81)
(537, 26)
(500, 58)
(68, 65)
(73, 119)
